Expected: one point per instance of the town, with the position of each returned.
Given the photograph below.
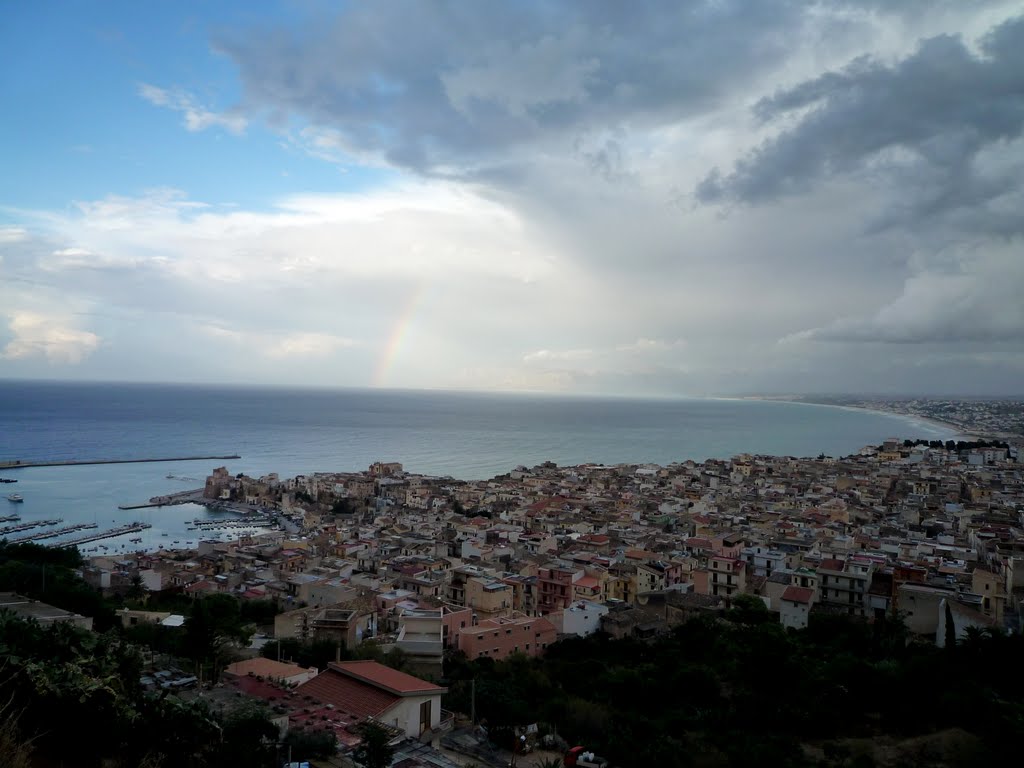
(930, 534)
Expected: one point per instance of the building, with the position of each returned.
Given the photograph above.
(555, 587)
(421, 634)
(728, 576)
(42, 613)
(366, 689)
(500, 638)
(582, 618)
(795, 606)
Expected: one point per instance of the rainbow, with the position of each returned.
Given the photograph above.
(399, 330)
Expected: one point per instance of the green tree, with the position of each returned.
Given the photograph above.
(375, 750)
(310, 745)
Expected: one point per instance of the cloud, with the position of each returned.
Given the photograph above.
(196, 117)
(50, 337)
(448, 90)
(973, 298)
(927, 116)
(283, 345)
(640, 356)
(12, 235)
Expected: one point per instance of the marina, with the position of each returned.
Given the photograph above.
(52, 534)
(27, 526)
(107, 534)
(234, 522)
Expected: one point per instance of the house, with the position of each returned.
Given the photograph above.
(794, 606)
(42, 613)
(500, 638)
(421, 637)
(964, 618)
(582, 618)
(366, 689)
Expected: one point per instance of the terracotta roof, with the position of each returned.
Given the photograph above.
(798, 594)
(264, 667)
(348, 694)
(385, 678)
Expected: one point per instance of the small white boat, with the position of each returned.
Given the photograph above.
(15, 497)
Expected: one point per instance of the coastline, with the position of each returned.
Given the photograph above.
(960, 432)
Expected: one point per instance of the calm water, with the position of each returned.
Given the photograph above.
(465, 435)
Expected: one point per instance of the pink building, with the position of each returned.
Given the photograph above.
(500, 638)
(555, 587)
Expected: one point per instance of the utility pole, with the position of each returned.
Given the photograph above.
(472, 701)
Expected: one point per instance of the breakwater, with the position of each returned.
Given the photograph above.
(107, 534)
(28, 526)
(54, 532)
(183, 497)
(20, 464)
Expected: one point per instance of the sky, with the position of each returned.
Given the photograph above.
(661, 198)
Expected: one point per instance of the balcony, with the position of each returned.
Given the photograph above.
(446, 723)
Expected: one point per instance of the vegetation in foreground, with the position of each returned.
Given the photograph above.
(745, 691)
(711, 693)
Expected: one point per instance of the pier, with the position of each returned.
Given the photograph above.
(52, 534)
(182, 497)
(107, 534)
(10, 518)
(234, 522)
(18, 464)
(28, 526)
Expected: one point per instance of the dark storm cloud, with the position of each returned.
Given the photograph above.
(447, 84)
(926, 119)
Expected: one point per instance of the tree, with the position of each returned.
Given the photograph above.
(310, 745)
(375, 750)
(249, 737)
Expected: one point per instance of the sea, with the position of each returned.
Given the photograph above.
(464, 435)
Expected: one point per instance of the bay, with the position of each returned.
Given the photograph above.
(296, 431)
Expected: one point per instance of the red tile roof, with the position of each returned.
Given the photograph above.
(348, 694)
(385, 678)
(264, 667)
(798, 594)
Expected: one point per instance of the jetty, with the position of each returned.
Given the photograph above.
(107, 534)
(28, 526)
(19, 464)
(234, 522)
(182, 497)
(54, 532)
(10, 518)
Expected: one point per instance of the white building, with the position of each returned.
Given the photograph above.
(582, 618)
(795, 606)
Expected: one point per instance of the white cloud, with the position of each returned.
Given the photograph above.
(51, 337)
(197, 118)
(283, 345)
(13, 235)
